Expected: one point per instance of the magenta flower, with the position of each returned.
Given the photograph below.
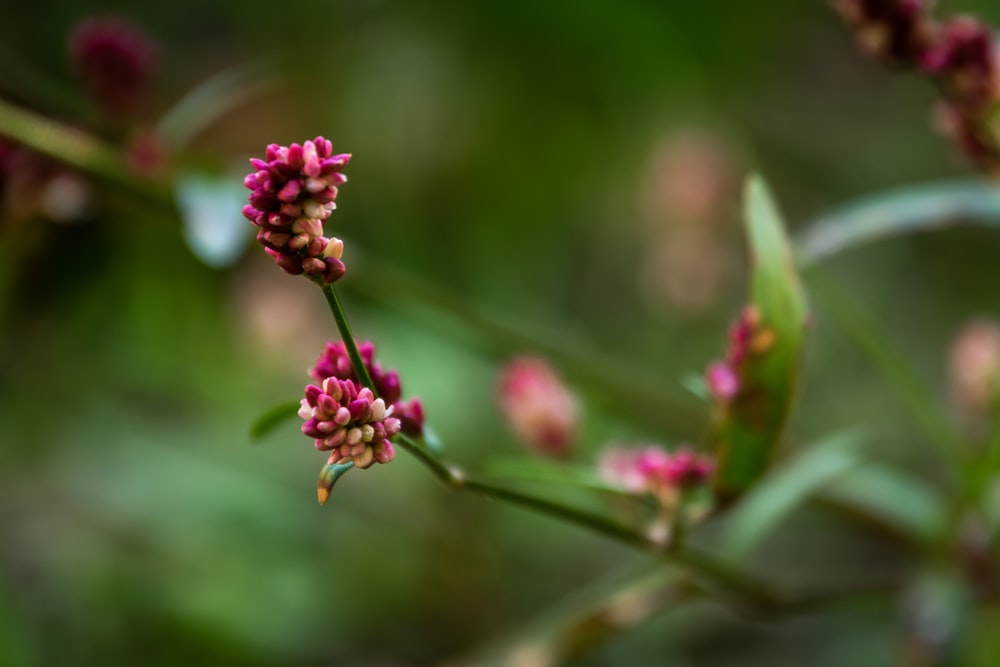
(335, 362)
(115, 60)
(747, 337)
(896, 31)
(293, 193)
(538, 407)
(653, 469)
(348, 422)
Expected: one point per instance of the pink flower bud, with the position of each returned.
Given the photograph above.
(538, 407)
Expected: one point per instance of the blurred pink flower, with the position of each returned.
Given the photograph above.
(653, 469)
(974, 367)
(538, 406)
(747, 336)
(115, 60)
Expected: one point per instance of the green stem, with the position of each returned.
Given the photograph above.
(715, 573)
(75, 148)
(345, 334)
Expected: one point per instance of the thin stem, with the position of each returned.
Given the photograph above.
(714, 572)
(345, 334)
(76, 148)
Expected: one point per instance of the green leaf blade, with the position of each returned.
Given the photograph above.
(747, 434)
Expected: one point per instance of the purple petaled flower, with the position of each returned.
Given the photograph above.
(293, 193)
(115, 60)
(335, 362)
(538, 406)
(349, 422)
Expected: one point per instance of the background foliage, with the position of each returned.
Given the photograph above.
(509, 154)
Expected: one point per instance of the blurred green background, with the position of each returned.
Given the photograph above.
(571, 166)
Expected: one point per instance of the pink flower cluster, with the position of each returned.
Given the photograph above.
(115, 60)
(652, 469)
(538, 407)
(335, 362)
(293, 193)
(960, 53)
(348, 422)
(746, 336)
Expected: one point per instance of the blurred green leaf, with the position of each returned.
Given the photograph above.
(328, 476)
(592, 616)
(902, 503)
(212, 99)
(748, 432)
(74, 147)
(272, 419)
(904, 211)
(785, 489)
(210, 207)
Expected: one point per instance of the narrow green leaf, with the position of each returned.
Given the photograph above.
(74, 147)
(897, 212)
(272, 419)
(781, 492)
(328, 476)
(898, 501)
(212, 99)
(748, 430)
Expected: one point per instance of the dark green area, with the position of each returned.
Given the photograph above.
(503, 153)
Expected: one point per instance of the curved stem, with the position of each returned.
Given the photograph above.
(715, 573)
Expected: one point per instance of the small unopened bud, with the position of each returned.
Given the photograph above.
(974, 368)
(539, 408)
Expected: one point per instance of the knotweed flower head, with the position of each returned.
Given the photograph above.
(974, 368)
(538, 407)
(115, 60)
(293, 193)
(349, 422)
(748, 337)
(335, 362)
(654, 470)
(896, 31)
(964, 57)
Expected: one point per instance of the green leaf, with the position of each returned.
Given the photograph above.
(748, 430)
(897, 212)
(328, 476)
(272, 419)
(782, 491)
(904, 504)
(212, 99)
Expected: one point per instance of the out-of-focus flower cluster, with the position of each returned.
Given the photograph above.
(115, 61)
(960, 53)
(974, 372)
(653, 469)
(747, 337)
(538, 407)
(293, 193)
